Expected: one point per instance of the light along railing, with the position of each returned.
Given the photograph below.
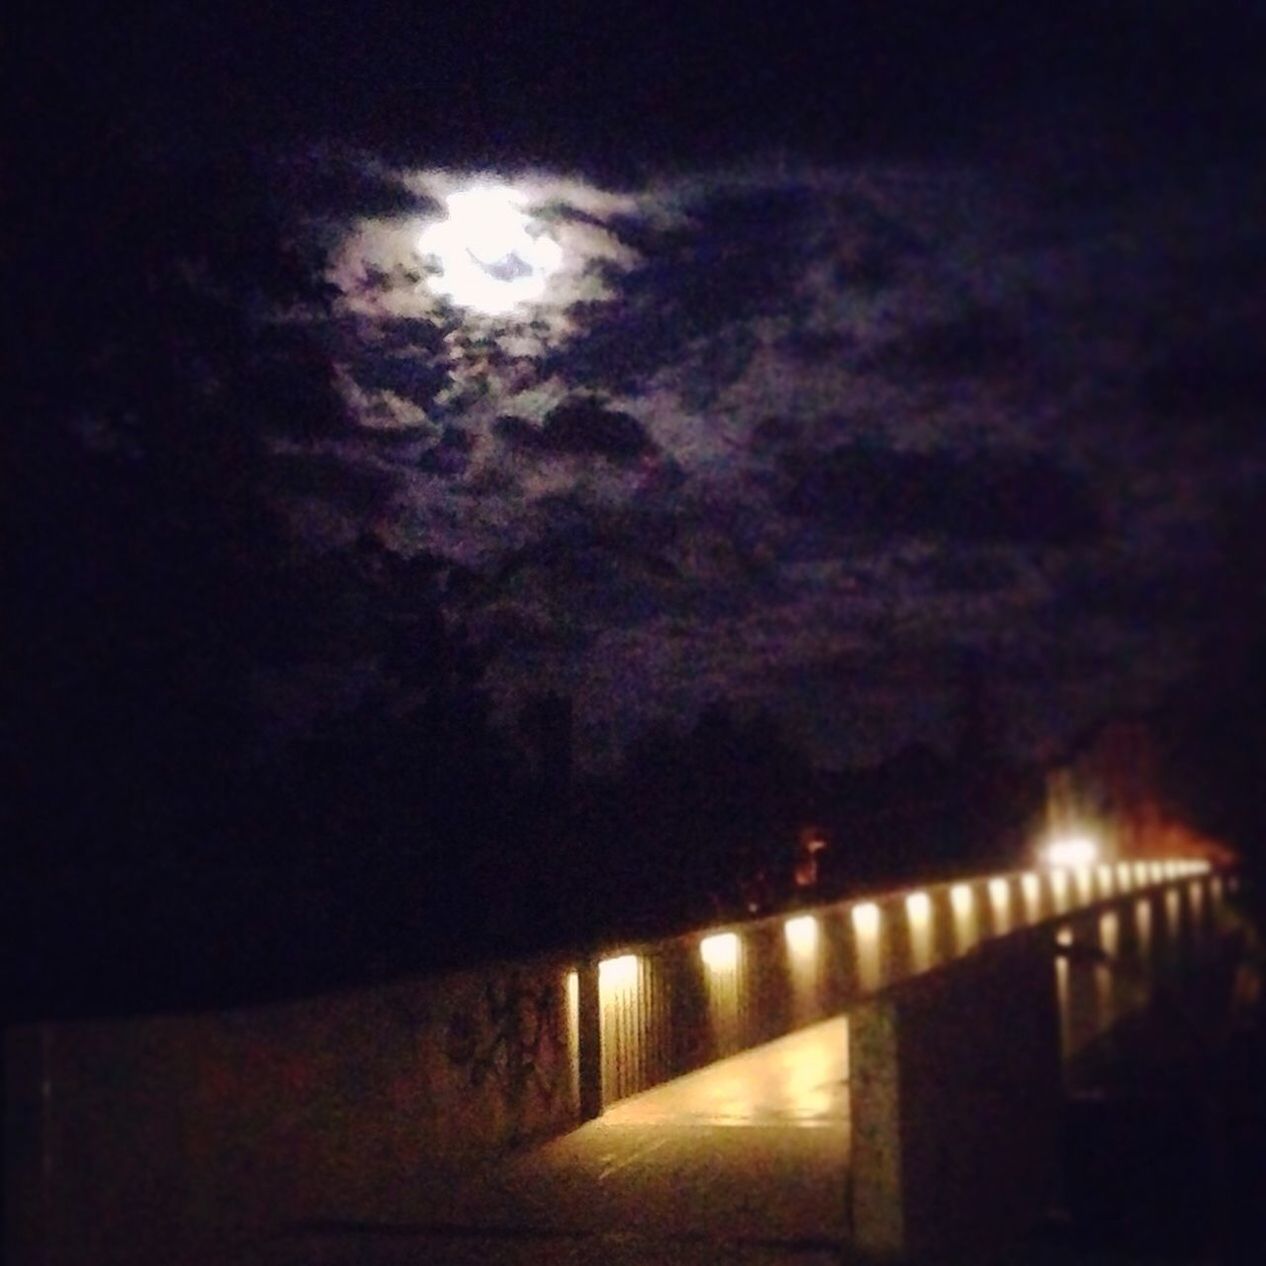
(667, 1007)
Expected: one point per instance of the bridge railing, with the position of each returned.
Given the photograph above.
(648, 1012)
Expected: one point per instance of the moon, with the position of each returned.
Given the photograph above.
(490, 255)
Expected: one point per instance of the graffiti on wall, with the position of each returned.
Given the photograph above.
(512, 1039)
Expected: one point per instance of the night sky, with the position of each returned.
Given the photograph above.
(874, 351)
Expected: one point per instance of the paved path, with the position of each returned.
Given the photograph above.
(744, 1161)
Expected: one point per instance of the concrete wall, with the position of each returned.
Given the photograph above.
(137, 1138)
(955, 1137)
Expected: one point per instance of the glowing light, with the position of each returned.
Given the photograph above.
(1158, 871)
(1000, 900)
(618, 973)
(1140, 872)
(1109, 933)
(1124, 875)
(802, 935)
(1085, 883)
(720, 952)
(1195, 891)
(919, 916)
(1031, 886)
(1143, 920)
(1059, 888)
(1071, 851)
(1104, 875)
(866, 919)
(962, 902)
(919, 907)
(492, 257)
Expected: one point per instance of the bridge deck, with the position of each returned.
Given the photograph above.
(743, 1161)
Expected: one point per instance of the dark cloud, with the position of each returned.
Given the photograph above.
(580, 427)
(415, 376)
(346, 187)
(450, 457)
(415, 334)
(975, 343)
(1221, 382)
(734, 260)
(966, 571)
(868, 490)
(723, 361)
(811, 346)
(330, 478)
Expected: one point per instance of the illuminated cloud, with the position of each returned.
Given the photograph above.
(814, 432)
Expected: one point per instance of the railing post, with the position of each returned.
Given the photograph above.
(589, 1044)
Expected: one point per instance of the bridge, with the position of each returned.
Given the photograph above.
(878, 1077)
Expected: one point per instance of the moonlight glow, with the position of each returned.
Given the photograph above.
(491, 256)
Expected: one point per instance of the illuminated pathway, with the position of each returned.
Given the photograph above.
(742, 1161)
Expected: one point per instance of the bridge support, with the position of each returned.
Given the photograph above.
(589, 1040)
(956, 1091)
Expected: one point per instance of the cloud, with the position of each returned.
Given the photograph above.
(868, 490)
(579, 427)
(735, 256)
(329, 184)
(1222, 382)
(411, 374)
(970, 344)
(765, 418)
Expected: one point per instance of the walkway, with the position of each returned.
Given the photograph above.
(744, 1161)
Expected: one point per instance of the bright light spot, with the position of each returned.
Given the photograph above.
(1085, 883)
(1000, 900)
(618, 973)
(962, 902)
(492, 257)
(1064, 936)
(1104, 874)
(1070, 851)
(919, 907)
(1031, 886)
(1059, 888)
(1123, 874)
(720, 952)
(802, 935)
(919, 917)
(866, 919)
(1140, 872)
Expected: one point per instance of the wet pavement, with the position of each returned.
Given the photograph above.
(744, 1161)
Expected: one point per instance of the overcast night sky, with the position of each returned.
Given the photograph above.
(791, 363)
